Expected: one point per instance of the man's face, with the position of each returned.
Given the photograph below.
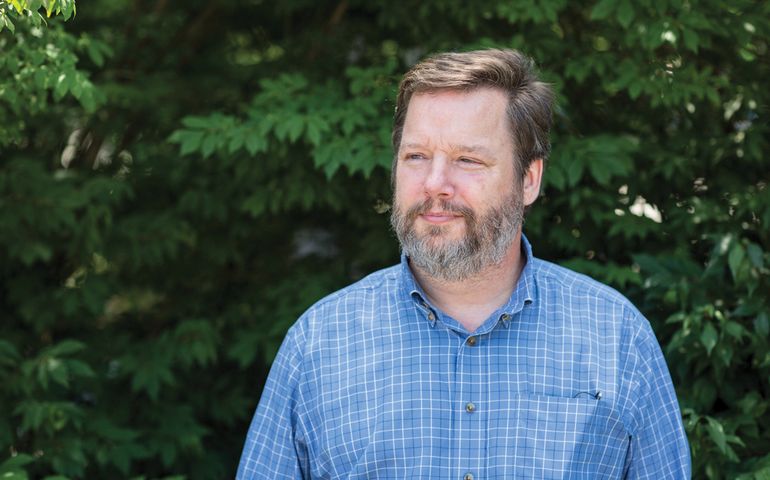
(458, 203)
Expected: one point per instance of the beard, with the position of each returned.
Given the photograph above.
(485, 243)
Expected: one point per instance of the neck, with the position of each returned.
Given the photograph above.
(470, 301)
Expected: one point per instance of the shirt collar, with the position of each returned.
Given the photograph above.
(414, 291)
(524, 294)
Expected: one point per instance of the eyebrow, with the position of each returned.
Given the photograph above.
(454, 147)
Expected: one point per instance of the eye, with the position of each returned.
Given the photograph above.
(414, 156)
(468, 161)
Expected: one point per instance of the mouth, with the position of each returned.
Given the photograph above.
(439, 217)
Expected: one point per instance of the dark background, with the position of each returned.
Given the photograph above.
(180, 180)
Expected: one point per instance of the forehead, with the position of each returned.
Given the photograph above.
(457, 115)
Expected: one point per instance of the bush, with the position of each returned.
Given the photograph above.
(178, 183)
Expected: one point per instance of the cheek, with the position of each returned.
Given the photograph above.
(473, 186)
(406, 186)
(399, 199)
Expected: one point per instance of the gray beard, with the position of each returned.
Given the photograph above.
(485, 243)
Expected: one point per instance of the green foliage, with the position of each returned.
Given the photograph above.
(335, 125)
(29, 10)
(179, 181)
(38, 67)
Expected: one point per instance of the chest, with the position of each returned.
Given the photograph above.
(431, 404)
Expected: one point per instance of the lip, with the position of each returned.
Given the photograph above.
(439, 217)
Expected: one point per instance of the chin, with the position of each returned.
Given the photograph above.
(431, 230)
(440, 235)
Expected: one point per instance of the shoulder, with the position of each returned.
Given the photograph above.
(381, 282)
(353, 305)
(587, 305)
(552, 278)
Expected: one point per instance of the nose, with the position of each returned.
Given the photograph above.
(438, 183)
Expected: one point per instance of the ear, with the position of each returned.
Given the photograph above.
(531, 181)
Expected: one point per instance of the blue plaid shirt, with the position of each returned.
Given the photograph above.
(566, 380)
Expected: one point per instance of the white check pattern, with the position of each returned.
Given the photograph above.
(566, 381)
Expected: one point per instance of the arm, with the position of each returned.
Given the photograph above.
(659, 448)
(274, 449)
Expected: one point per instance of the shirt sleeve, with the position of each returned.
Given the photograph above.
(659, 447)
(274, 447)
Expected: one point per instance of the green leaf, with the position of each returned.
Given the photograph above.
(9, 355)
(208, 145)
(555, 177)
(15, 462)
(237, 140)
(198, 342)
(603, 9)
(314, 128)
(691, 41)
(197, 122)
(734, 329)
(756, 255)
(717, 433)
(58, 371)
(295, 127)
(80, 369)
(255, 144)
(704, 393)
(574, 171)
(190, 141)
(64, 348)
(7, 23)
(61, 86)
(14, 475)
(708, 337)
(762, 324)
(17, 6)
(747, 55)
(625, 13)
(635, 89)
(736, 259)
(245, 348)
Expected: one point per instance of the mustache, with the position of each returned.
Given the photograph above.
(444, 205)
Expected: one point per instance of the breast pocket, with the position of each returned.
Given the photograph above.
(554, 437)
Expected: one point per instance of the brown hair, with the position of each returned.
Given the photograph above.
(530, 101)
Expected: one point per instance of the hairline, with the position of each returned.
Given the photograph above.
(518, 161)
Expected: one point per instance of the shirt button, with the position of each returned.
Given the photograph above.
(505, 317)
(431, 316)
(471, 341)
(470, 407)
(468, 476)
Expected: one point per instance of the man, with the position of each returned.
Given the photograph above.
(471, 359)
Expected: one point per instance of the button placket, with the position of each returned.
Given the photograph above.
(470, 434)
